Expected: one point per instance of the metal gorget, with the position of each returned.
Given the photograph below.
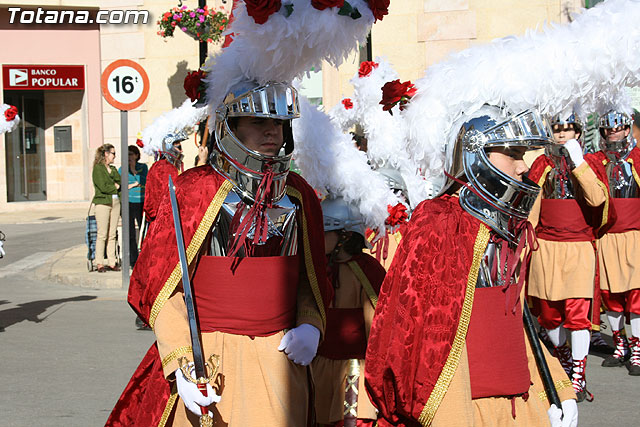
(622, 184)
(281, 234)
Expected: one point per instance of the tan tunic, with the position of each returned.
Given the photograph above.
(330, 375)
(563, 270)
(459, 410)
(619, 258)
(258, 384)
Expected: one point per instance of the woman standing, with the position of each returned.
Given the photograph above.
(106, 184)
(137, 181)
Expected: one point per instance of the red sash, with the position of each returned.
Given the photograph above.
(253, 296)
(495, 343)
(563, 220)
(628, 215)
(345, 337)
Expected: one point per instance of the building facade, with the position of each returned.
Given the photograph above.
(50, 156)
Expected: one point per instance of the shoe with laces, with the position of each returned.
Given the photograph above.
(563, 354)
(579, 380)
(621, 352)
(599, 345)
(633, 364)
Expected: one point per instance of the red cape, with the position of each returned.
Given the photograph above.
(419, 309)
(157, 187)
(145, 397)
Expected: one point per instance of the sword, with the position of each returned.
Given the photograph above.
(200, 366)
(351, 394)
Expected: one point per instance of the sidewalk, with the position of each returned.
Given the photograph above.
(67, 266)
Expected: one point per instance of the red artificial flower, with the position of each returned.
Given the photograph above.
(379, 8)
(366, 67)
(139, 143)
(193, 84)
(397, 215)
(10, 113)
(395, 92)
(261, 10)
(325, 4)
(347, 103)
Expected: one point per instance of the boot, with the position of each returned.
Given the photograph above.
(621, 352)
(563, 354)
(599, 345)
(633, 364)
(544, 337)
(579, 380)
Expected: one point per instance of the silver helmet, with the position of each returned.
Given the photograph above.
(612, 120)
(497, 199)
(394, 180)
(241, 165)
(169, 149)
(339, 215)
(556, 149)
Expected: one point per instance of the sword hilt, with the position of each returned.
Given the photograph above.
(201, 382)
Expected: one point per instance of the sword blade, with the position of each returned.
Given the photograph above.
(198, 356)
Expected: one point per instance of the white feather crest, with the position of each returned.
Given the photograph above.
(582, 65)
(283, 48)
(184, 117)
(385, 133)
(330, 162)
(7, 125)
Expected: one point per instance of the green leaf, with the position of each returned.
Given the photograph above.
(355, 14)
(346, 9)
(289, 10)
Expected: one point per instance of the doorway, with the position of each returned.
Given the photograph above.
(25, 150)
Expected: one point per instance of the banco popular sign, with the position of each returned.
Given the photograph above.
(43, 77)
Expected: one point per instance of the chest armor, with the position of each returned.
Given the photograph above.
(622, 184)
(559, 185)
(487, 277)
(281, 234)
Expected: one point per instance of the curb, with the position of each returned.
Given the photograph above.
(69, 267)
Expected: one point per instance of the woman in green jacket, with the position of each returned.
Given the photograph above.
(106, 183)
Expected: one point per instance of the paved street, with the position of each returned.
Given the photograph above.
(68, 351)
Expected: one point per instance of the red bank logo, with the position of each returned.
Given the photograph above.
(18, 77)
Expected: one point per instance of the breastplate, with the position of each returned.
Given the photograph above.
(622, 184)
(558, 185)
(282, 230)
(486, 277)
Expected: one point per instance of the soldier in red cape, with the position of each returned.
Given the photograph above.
(562, 274)
(338, 368)
(254, 242)
(169, 165)
(619, 249)
(447, 344)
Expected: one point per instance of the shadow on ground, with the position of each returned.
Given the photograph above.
(32, 310)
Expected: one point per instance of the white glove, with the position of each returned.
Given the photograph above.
(575, 151)
(568, 417)
(301, 344)
(191, 396)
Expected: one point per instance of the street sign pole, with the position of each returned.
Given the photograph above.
(124, 191)
(125, 86)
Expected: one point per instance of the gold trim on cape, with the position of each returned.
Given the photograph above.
(311, 272)
(194, 246)
(544, 176)
(450, 366)
(171, 401)
(364, 281)
(180, 351)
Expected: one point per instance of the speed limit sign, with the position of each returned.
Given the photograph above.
(125, 84)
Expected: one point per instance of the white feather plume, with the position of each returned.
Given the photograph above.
(7, 125)
(184, 117)
(584, 65)
(284, 47)
(386, 134)
(330, 162)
